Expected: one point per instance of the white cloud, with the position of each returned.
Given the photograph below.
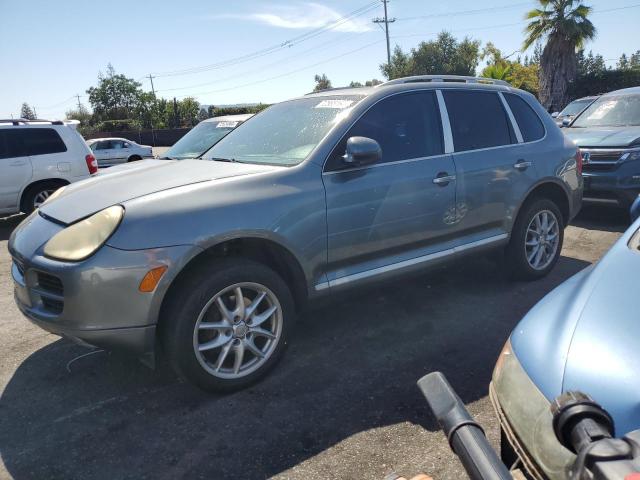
(306, 15)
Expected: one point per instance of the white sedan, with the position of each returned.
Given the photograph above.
(112, 151)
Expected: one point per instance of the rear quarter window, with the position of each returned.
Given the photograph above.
(478, 120)
(530, 125)
(41, 141)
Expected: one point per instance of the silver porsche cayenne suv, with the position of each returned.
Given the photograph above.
(209, 260)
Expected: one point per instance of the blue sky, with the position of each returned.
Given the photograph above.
(52, 50)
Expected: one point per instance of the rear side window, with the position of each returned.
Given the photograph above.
(41, 141)
(530, 124)
(406, 126)
(4, 148)
(478, 120)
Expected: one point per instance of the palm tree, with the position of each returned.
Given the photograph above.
(498, 71)
(566, 27)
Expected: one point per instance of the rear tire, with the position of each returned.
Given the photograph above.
(536, 240)
(36, 195)
(218, 343)
(134, 158)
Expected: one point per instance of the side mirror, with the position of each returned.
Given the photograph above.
(555, 114)
(362, 151)
(566, 122)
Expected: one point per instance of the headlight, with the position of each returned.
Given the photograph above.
(527, 413)
(82, 239)
(54, 195)
(630, 155)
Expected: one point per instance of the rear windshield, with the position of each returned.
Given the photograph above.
(285, 133)
(611, 111)
(200, 139)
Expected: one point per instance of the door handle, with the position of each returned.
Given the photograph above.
(17, 163)
(522, 165)
(443, 179)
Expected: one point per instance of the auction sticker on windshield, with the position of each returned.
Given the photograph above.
(334, 103)
(226, 124)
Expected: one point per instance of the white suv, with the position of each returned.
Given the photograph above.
(37, 158)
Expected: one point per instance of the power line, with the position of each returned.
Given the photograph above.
(386, 20)
(465, 12)
(307, 67)
(265, 51)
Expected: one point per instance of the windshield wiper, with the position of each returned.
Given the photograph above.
(220, 159)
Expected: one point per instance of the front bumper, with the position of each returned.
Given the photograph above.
(526, 421)
(95, 301)
(617, 184)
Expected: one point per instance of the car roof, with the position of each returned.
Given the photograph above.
(625, 91)
(230, 118)
(110, 138)
(419, 82)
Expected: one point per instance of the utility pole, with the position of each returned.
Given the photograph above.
(79, 104)
(152, 89)
(153, 134)
(386, 20)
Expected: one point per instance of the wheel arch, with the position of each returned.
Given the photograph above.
(59, 181)
(262, 250)
(552, 189)
(134, 157)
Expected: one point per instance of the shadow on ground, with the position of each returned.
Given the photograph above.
(7, 224)
(606, 219)
(351, 367)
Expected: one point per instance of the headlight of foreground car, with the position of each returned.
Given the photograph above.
(528, 415)
(631, 155)
(83, 239)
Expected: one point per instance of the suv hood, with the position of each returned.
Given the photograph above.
(584, 336)
(119, 184)
(604, 136)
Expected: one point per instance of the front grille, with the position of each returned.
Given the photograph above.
(51, 292)
(601, 160)
(51, 305)
(50, 283)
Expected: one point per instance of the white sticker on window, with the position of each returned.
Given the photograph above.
(226, 124)
(602, 110)
(339, 104)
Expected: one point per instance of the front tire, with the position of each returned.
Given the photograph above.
(227, 324)
(536, 240)
(134, 158)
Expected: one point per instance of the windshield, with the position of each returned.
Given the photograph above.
(285, 133)
(575, 107)
(199, 139)
(611, 111)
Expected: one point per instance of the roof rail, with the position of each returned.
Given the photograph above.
(26, 121)
(446, 78)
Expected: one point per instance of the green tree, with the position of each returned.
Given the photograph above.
(116, 97)
(27, 112)
(368, 83)
(85, 118)
(524, 76)
(590, 65)
(322, 83)
(445, 55)
(188, 109)
(623, 63)
(565, 26)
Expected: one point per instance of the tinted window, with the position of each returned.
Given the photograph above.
(40, 141)
(530, 125)
(478, 120)
(406, 126)
(14, 143)
(4, 148)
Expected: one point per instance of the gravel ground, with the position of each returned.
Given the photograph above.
(343, 403)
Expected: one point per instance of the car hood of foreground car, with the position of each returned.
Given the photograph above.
(130, 181)
(605, 137)
(584, 335)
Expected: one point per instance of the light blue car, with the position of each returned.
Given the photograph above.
(582, 336)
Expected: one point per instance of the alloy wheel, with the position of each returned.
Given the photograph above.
(542, 239)
(237, 330)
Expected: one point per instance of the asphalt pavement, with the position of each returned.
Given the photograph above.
(342, 404)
